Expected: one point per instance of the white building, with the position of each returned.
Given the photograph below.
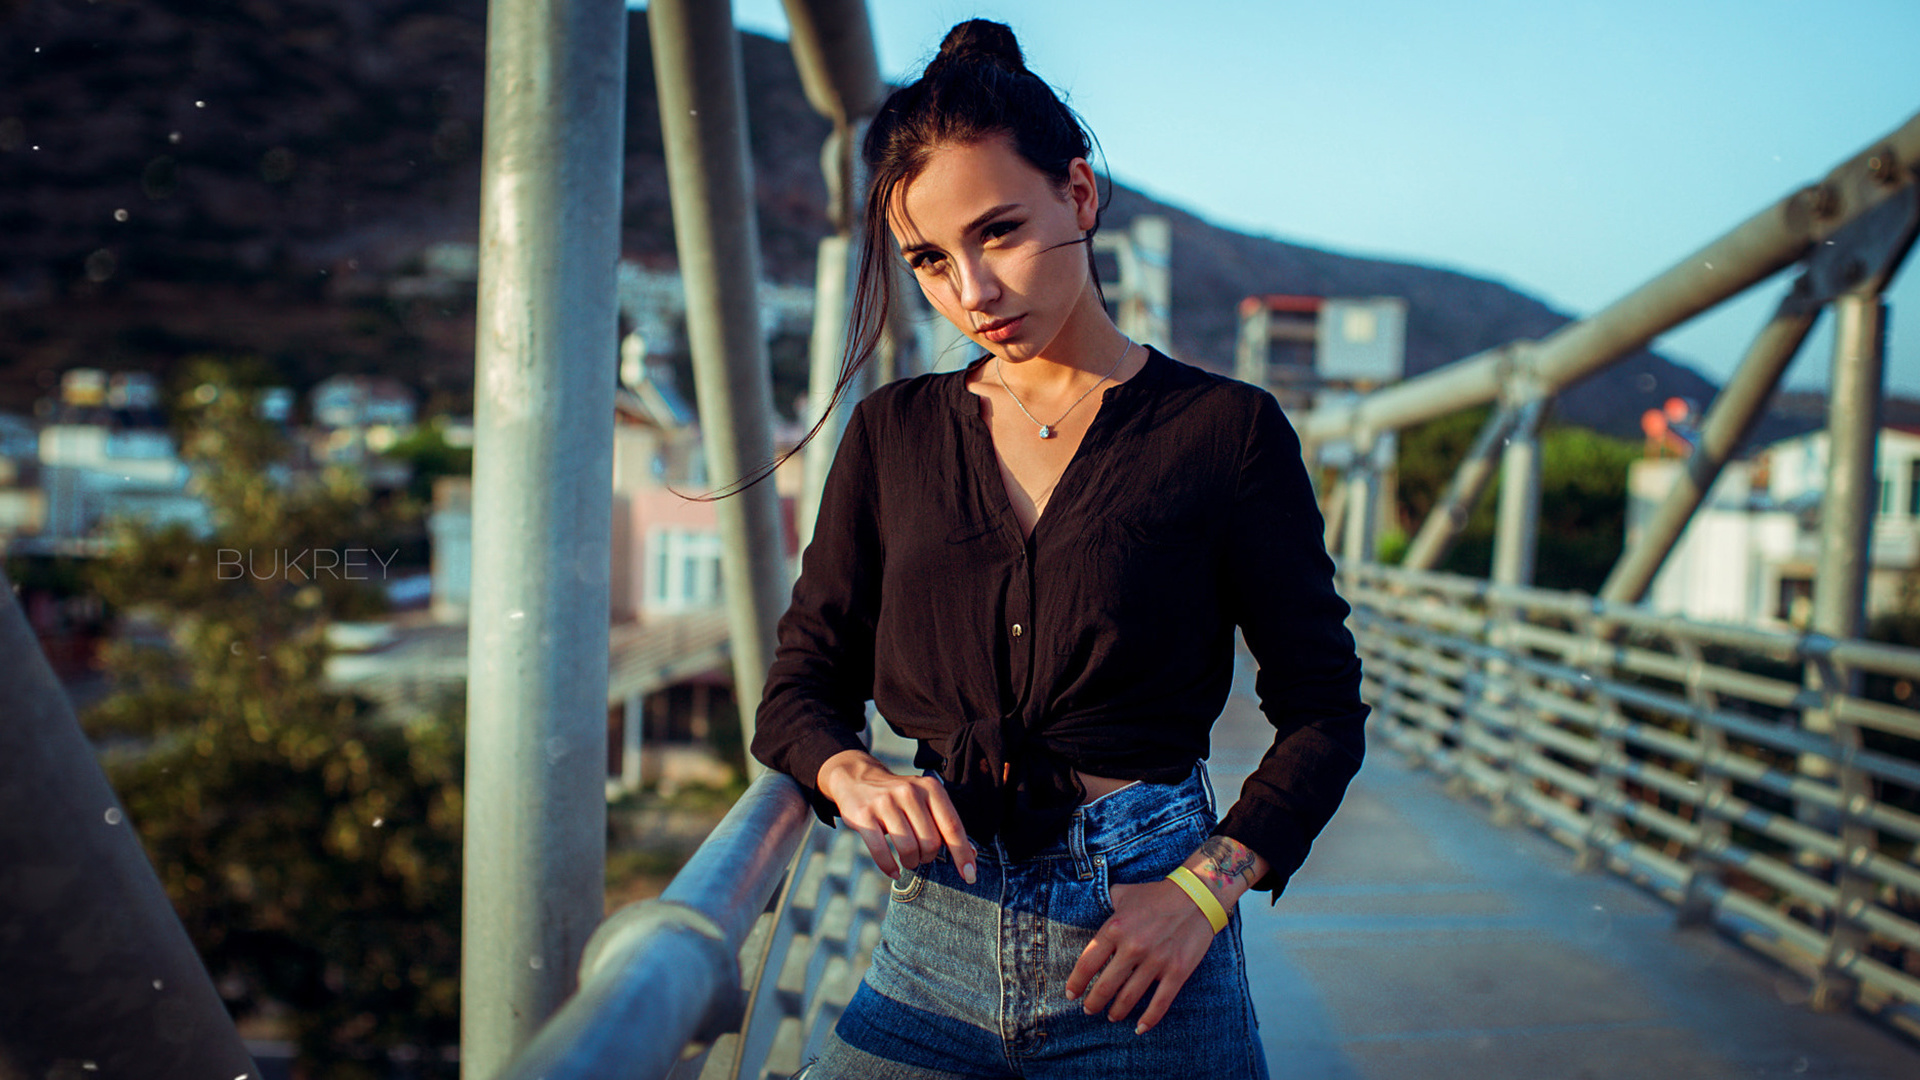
(1750, 553)
(105, 452)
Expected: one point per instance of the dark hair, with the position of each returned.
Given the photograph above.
(978, 88)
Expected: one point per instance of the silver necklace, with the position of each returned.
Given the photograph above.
(1048, 431)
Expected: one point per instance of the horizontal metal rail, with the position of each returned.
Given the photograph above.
(737, 968)
(661, 974)
(1608, 727)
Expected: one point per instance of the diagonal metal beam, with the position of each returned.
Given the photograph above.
(1764, 244)
(703, 121)
(98, 969)
(1448, 518)
(1729, 419)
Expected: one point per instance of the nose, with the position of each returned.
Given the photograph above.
(978, 286)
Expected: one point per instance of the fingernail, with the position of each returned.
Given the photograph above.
(1073, 995)
(968, 873)
(1140, 1029)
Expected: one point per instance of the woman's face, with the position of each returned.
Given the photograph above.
(991, 240)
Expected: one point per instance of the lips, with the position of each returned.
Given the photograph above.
(1000, 329)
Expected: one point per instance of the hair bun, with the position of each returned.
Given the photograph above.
(981, 41)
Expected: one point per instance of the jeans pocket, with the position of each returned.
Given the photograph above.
(1152, 857)
(906, 889)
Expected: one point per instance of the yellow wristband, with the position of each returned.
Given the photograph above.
(1202, 897)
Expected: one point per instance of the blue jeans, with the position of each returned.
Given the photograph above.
(970, 980)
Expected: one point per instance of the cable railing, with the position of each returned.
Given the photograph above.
(1739, 773)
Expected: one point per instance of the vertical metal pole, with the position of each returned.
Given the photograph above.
(703, 121)
(1148, 313)
(1333, 511)
(1729, 419)
(98, 967)
(1839, 608)
(1362, 502)
(542, 515)
(832, 43)
(1516, 542)
(831, 295)
(1254, 348)
(1386, 486)
(1853, 429)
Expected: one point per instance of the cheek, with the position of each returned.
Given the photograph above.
(937, 292)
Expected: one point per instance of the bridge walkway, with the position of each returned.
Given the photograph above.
(1423, 941)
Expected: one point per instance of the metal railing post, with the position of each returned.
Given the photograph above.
(703, 121)
(130, 997)
(542, 512)
(1839, 604)
(1253, 348)
(1518, 533)
(1695, 908)
(1361, 513)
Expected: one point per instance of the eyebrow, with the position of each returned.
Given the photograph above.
(976, 223)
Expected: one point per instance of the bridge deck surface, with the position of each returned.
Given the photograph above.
(1422, 941)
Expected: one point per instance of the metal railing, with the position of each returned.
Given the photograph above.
(1736, 772)
(750, 953)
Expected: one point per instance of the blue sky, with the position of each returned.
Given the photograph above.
(1572, 150)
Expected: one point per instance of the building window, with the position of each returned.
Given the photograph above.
(1795, 600)
(1885, 507)
(685, 570)
(1913, 487)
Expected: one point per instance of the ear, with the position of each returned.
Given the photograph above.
(1084, 192)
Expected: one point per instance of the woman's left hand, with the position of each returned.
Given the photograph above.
(1156, 935)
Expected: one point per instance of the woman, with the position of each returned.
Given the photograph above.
(1035, 568)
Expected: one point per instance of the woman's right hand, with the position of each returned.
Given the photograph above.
(913, 812)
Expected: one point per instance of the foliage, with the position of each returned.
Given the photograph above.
(311, 848)
(1583, 501)
(429, 454)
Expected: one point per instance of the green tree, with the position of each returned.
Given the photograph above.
(1583, 500)
(311, 847)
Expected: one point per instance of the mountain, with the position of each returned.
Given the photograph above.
(244, 176)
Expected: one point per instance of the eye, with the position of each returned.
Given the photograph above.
(926, 261)
(999, 229)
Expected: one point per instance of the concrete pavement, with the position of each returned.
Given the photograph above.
(1421, 941)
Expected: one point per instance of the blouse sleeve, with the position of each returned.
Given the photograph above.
(1279, 587)
(814, 705)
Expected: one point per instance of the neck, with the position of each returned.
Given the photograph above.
(1101, 352)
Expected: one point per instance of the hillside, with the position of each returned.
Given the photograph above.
(239, 177)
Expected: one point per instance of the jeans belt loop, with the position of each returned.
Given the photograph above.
(1077, 843)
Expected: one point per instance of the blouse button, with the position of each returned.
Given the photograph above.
(1017, 631)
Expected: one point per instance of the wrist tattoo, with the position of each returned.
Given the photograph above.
(1225, 860)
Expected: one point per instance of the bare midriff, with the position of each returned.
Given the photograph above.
(1098, 786)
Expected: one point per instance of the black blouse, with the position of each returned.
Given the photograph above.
(1103, 642)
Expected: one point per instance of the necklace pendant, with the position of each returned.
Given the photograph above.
(1046, 431)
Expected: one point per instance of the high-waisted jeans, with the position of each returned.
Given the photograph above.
(970, 980)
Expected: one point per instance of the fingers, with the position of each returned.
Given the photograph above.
(1122, 960)
(876, 842)
(921, 833)
(1129, 993)
(1092, 959)
(913, 814)
(1157, 1008)
(946, 821)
